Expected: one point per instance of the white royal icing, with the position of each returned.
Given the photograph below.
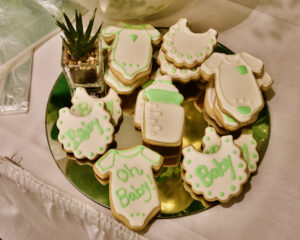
(225, 119)
(86, 136)
(246, 142)
(131, 51)
(82, 103)
(186, 47)
(265, 81)
(133, 191)
(183, 75)
(236, 87)
(217, 176)
(118, 86)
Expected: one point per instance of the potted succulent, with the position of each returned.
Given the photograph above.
(82, 54)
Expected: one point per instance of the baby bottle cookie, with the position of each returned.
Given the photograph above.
(133, 192)
(163, 115)
(212, 142)
(185, 48)
(130, 57)
(85, 136)
(237, 90)
(82, 104)
(217, 176)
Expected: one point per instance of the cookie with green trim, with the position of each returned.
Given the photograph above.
(211, 144)
(85, 136)
(130, 57)
(218, 176)
(186, 49)
(82, 104)
(133, 193)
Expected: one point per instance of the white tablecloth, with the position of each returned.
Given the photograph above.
(40, 203)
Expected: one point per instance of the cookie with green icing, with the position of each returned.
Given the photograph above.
(212, 142)
(130, 57)
(133, 192)
(83, 102)
(186, 49)
(217, 176)
(86, 136)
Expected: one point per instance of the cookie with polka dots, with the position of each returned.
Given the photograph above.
(82, 104)
(246, 142)
(218, 176)
(87, 136)
(186, 49)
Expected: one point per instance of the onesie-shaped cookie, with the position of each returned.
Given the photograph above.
(130, 58)
(238, 92)
(185, 48)
(211, 142)
(82, 104)
(85, 136)
(183, 75)
(133, 192)
(217, 176)
(163, 115)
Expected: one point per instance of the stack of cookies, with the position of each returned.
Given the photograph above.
(182, 52)
(233, 96)
(129, 55)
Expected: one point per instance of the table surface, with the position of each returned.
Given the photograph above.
(267, 208)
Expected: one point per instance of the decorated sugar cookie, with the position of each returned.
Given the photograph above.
(163, 115)
(265, 81)
(131, 52)
(183, 75)
(133, 192)
(238, 92)
(82, 104)
(246, 142)
(218, 176)
(85, 136)
(185, 48)
(118, 86)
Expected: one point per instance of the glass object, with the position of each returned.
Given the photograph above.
(131, 9)
(175, 201)
(86, 75)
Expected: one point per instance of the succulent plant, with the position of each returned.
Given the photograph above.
(77, 41)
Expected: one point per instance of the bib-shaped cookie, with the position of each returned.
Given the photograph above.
(185, 48)
(183, 75)
(163, 116)
(82, 104)
(130, 58)
(133, 192)
(238, 92)
(212, 141)
(85, 136)
(217, 176)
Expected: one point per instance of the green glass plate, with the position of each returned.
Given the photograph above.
(175, 201)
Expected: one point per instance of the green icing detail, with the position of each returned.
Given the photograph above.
(254, 155)
(242, 69)
(207, 176)
(133, 37)
(244, 110)
(106, 137)
(60, 122)
(68, 144)
(143, 214)
(118, 112)
(105, 117)
(130, 65)
(232, 187)
(73, 110)
(240, 165)
(211, 130)
(229, 119)
(171, 43)
(200, 54)
(190, 57)
(206, 48)
(131, 214)
(206, 151)
(240, 178)
(124, 63)
(190, 176)
(252, 166)
(173, 51)
(197, 185)
(214, 148)
(188, 162)
(137, 65)
(173, 34)
(227, 140)
(194, 69)
(246, 153)
(177, 28)
(147, 84)
(207, 138)
(84, 109)
(91, 154)
(107, 129)
(188, 150)
(110, 106)
(164, 96)
(64, 111)
(211, 40)
(174, 70)
(252, 142)
(234, 152)
(180, 55)
(100, 104)
(62, 137)
(100, 149)
(79, 152)
(209, 193)
(137, 214)
(184, 71)
(222, 194)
